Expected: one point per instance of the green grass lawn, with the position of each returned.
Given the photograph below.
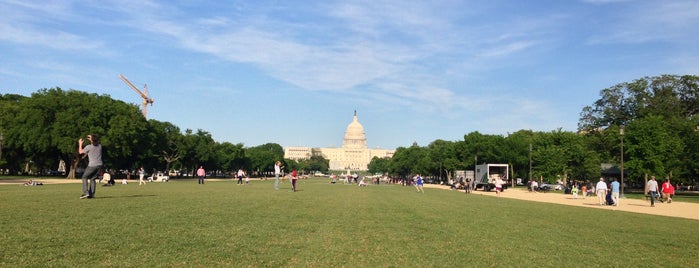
(220, 224)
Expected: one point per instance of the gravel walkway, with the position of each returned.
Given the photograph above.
(675, 209)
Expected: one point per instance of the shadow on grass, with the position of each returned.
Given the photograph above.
(125, 196)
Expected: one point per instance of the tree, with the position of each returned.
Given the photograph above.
(666, 95)
(232, 156)
(49, 123)
(517, 152)
(314, 163)
(654, 147)
(487, 148)
(11, 154)
(442, 156)
(263, 157)
(379, 165)
(167, 140)
(408, 161)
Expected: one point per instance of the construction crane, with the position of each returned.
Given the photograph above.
(144, 95)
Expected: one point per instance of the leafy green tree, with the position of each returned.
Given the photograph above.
(232, 157)
(263, 157)
(314, 163)
(166, 142)
(487, 148)
(49, 123)
(653, 148)
(11, 154)
(666, 95)
(442, 159)
(517, 152)
(379, 165)
(409, 161)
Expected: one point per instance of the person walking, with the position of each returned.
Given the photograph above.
(601, 191)
(241, 173)
(277, 172)
(141, 173)
(201, 173)
(652, 190)
(615, 192)
(94, 155)
(668, 190)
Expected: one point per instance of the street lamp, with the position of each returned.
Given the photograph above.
(530, 162)
(2, 139)
(621, 133)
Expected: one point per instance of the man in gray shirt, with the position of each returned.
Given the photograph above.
(94, 165)
(652, 189)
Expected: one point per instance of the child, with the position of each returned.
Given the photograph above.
(584, 191)
(575, 191)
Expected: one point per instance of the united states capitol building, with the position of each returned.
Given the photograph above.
(354, 154)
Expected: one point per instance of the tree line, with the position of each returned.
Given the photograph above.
(657, 114)
(654, 117)
(41, 130)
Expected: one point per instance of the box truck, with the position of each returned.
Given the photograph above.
(486, 174)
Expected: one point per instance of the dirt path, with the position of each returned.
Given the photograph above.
(675, 209)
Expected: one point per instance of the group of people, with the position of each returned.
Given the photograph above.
(608, 194)
(662, 193)
(278, 173)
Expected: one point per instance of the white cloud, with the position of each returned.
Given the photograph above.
(651, 21)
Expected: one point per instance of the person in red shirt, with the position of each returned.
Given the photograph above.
(668, 190)
(294, 177)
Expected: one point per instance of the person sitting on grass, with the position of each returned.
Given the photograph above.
(362, 183)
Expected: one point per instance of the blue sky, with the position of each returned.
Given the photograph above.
(294, 72)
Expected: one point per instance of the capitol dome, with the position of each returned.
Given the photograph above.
(354, 136)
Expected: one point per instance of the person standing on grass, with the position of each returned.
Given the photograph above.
(277, 172)
(141, 173)
(652, 190)
(94, 155)
(601, 191)
(615, 192)
(294, 178)
(241, 173)
(201, 173)
(419, 183)
(668, 190)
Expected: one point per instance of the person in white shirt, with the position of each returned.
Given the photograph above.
(498, 186)
(535, 186)
(652, 189)
(277, 171)
(601, 191)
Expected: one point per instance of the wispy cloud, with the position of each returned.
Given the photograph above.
(651, 21)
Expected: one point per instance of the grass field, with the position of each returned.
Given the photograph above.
(221, 224)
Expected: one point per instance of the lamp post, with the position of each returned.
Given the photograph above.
(530, 162)
(621, 134)
(2, 139)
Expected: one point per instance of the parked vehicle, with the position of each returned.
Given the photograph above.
(486, 174)
(159, 177)
(551, 186)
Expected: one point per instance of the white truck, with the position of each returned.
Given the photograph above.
(486, 174)
(159, 177)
